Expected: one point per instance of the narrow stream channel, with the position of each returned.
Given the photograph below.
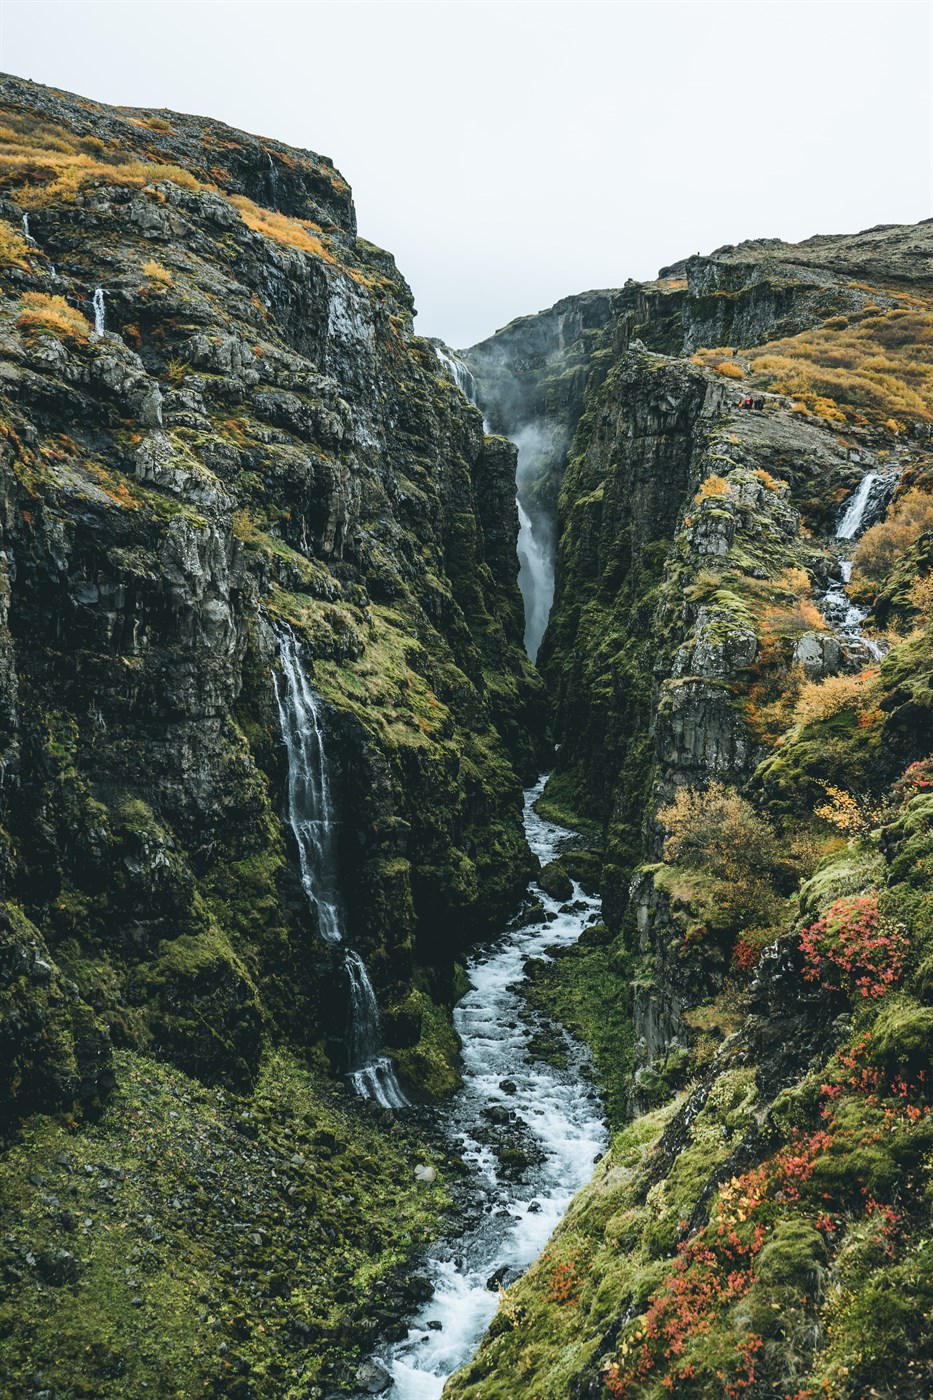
(555, 1120)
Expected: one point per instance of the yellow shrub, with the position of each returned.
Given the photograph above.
(14, 250)
(293, 233)
(881, 364)
(729, 369)
(767, 479)
(157, 273)
(720, 835)
(39, 312)
(820, 700)
(712, 486)
(852, 815)
(921, 595)
(45, 163)
(884, 544)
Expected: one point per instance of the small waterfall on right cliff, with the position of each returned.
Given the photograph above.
(311, 817)
(459, 373)
(97, 301)
(864, 507)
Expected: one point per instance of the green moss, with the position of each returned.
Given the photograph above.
(793, 1256)
(587, 990)
(187, 1264)
(564, 801)
(431, 1065)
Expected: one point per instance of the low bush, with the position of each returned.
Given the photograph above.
(852, 949)
(292, 233)
(822, 700)
(884, 544)
(52, 316)
(14, 250)
(712, 486)
(155, 272)
(733, 851)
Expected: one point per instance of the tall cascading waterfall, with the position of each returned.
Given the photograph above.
(311, 817)
(26, 234)
(97, 301)
(535, 559)
(535, 580)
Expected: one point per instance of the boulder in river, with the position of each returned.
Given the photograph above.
(373, 1378)
(555, 881)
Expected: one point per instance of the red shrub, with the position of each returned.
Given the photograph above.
(851, 949)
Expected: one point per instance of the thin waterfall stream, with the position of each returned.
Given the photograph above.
(313, 822)
(510, 1103)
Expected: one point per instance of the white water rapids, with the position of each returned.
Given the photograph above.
(562, 1120)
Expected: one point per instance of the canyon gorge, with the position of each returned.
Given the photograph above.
(466, 814)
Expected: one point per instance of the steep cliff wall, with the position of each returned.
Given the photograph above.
(216, 420)
(753, 785)
(256, 434)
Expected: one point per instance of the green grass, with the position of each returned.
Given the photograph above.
(208, 1237)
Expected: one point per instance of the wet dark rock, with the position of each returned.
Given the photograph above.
(57, 1267)
(497, 1114)
(373, 1378)
(533, 915)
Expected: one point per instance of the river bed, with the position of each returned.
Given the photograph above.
(556, 1121)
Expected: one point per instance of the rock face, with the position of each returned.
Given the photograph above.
(530, 380)
(256, 436)
(676, 505)
(752, 791)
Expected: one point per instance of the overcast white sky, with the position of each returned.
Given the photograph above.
(509, 154)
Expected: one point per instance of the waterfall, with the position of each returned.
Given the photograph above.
(26, 234)
(535, 558)
(535, 443)
(309, 806)
(535, 580)
(311, 817)
(371, 1074)
(863, 507)
(869, 493)
(458, 371)
(97, 301)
